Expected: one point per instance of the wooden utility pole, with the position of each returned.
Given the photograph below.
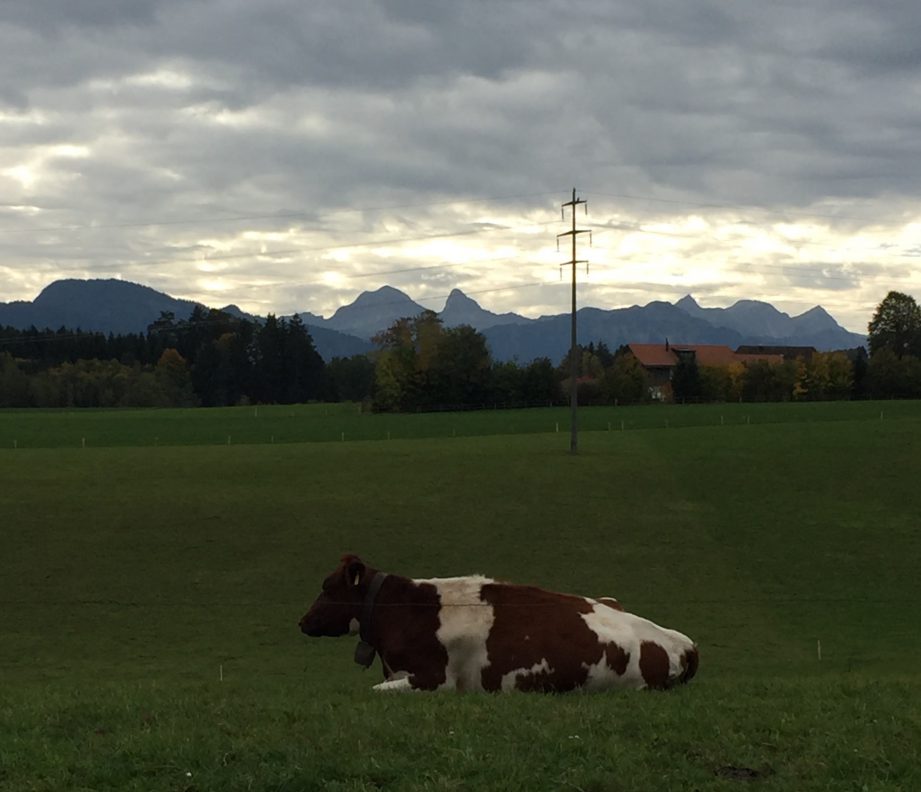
(573, 361)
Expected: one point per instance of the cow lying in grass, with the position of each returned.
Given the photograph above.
(473, 633)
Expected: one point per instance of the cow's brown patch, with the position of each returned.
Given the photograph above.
(616, 658)
(532, 626)
(654, 665)
(404, 631)
(690, 659)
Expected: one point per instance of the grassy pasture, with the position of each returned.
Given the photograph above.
(278, 424)
(132, 576)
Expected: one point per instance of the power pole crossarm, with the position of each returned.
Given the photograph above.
(573, 363)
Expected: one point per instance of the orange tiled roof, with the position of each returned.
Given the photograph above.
(653, 355)
(715, 355)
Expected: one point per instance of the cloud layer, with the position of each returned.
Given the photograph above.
(286, 156)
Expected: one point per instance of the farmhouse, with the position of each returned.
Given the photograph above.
(803, 353)
(660, 360)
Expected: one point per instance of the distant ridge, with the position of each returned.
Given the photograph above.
(108, 306)
(761, 318)
(114, 306)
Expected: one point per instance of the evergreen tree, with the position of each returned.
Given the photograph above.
(686, 380)
(304, 367)
(349, 379)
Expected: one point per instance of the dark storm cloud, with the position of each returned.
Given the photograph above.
(692, 99)
(52, 17)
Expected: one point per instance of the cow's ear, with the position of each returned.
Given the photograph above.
(355, 571)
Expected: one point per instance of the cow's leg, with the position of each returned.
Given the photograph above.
(401, 685)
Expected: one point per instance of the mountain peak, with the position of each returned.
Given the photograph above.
(463, 310)
(691, 307)
(384, 294)
(816, 310)
(373, 310)
(815, 320)
(76, 288)
(457, 299)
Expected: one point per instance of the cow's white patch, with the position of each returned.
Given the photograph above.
(465, 622)
(629, 631)
(354, 627)
(510, 680)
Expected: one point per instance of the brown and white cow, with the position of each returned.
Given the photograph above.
(474, 633)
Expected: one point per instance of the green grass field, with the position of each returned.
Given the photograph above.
(275, 424)
(135, 573)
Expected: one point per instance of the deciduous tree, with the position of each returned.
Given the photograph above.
(896, 326)
(626, 380)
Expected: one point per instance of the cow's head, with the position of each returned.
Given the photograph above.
(337, 610)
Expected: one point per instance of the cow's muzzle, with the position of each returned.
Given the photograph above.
(307, 628)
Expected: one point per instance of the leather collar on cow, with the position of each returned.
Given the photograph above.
(364, 652)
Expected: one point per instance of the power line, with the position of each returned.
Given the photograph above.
(626, 227)
(453, 202)
(117, 603)
(726, 205)
(793, 271)
(270, 216)
(639, 228)
(380, 242)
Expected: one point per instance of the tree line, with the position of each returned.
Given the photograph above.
(209, 359)
(215, 359)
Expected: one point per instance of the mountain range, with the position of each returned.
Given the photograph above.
(115, 306)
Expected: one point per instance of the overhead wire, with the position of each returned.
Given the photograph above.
(285, 215)
(726, 205)
(377, 242)
(636, 227)
(791, 270)
(274, 215)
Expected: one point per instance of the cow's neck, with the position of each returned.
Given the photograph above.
(397, 608)
(364, 652)
(377, 613)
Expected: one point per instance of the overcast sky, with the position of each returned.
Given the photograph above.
(286, 155)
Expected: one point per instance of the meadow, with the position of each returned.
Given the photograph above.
(152, 575)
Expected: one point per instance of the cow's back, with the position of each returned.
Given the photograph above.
(502, 636)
